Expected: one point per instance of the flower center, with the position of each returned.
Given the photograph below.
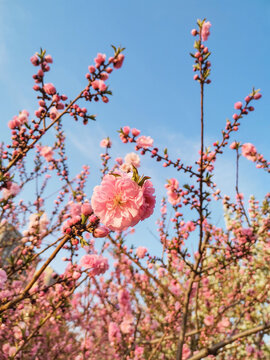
(117, 201)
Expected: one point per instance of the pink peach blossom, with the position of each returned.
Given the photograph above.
(249, 151)
(141, 251)
(145, 142)
(206, 30)
(105, 143)
(209, 320)
(97, 263)
(132, 159)
(117, 201)
(47, 152)
(99, 60)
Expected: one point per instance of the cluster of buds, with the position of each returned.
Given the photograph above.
(202, 65)
(81, 219)
(231, 126)
(99, 73)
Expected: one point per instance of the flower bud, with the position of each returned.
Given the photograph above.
(101, 232)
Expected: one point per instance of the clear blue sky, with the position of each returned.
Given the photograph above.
(154, 91)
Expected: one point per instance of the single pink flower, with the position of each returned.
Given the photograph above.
(97, 263)
(206, 30)
(190, 226)
(233, 145)
(117, 201)
(141, 252)
(209, 320)
(99, 60)
(105, 143)
(101, 232)
(47, 152)
(132, 159)
(145, 142)
(249, 151)
(126, 130)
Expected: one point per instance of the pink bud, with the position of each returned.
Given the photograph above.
(238, 105)
(102, 86)
(135, 132)
(93, 218)
(118, 62)
(49, 59)
(91, 69)
(49, 89)
(101, 232)
(34, 60)
(126, 130)
(193, 32)
(95, 84)
(76, 275)
(257, 96)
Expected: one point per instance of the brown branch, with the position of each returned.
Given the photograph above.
(19, 298)
(213, 350)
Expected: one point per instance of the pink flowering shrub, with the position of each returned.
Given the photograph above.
(197, 290)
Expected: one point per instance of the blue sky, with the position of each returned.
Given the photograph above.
(154, 91)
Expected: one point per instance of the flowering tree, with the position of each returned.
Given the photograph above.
(213, 303)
